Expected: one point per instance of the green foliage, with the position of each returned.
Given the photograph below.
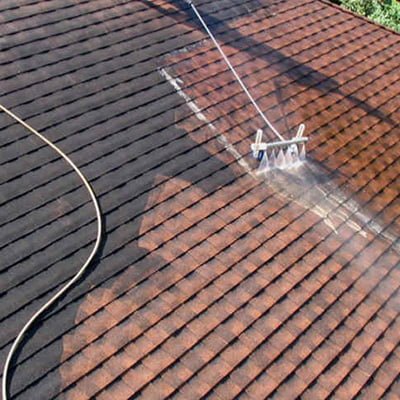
(384, 12)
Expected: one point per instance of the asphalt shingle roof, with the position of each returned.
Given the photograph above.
(214, 281)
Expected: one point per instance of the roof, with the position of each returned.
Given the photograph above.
(213, 281)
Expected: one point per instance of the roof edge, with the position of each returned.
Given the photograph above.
(370, 21)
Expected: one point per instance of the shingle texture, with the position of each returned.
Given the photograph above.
(213, 281)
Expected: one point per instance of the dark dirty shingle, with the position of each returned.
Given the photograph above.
(211, 282)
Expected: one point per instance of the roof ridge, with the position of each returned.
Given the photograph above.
(365, 19)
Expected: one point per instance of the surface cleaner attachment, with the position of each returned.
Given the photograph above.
(282, 154)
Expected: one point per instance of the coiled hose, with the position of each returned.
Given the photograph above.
(81, 271)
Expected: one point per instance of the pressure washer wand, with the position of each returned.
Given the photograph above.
(238, 78)
(280, 154)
